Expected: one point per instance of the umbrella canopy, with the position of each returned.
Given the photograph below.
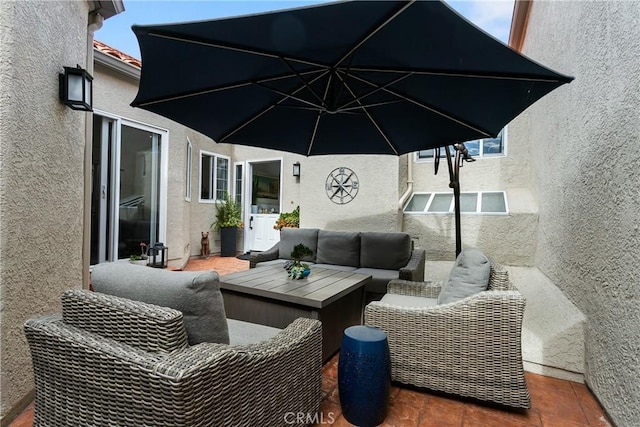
(380, 77)
(360, 77)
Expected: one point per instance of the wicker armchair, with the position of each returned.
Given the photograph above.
(110, 361)
(470, 348)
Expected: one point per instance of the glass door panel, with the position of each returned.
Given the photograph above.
(138, 202)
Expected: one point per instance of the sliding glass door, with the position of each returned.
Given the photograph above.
(128, 203)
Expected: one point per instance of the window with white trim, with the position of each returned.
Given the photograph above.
(187, 171)
(478, 148)
(214, 176)
(479, 202)
(237, 183)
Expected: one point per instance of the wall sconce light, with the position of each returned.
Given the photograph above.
(296, 169)
(76, 89)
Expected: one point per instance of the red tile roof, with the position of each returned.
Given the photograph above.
(108, 50)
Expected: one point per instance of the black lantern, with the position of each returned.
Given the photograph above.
(158, 255)
(76, 88)
(296, 169)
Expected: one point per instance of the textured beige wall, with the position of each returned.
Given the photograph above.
(375, 208)
(508, 238)
(584, 158)
(41, 175)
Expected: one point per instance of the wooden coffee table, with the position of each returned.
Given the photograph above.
(265, 295)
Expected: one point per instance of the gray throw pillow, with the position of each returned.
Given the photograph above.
(290, 237)
(389, 251)
(338, 248)
(195, 293)
(469, 275)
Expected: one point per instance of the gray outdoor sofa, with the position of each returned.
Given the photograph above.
(384, 256)
(462, 337)
(108, 360)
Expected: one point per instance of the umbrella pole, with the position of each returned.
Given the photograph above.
(454, 183)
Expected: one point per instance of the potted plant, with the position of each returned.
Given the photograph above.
(288, 219)
(228, 220)
(141, 259)
(296, 268)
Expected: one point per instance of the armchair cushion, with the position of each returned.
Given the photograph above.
(469, 275)
(338, 247)
(387, 251)
(243, 333)
(195, 293)
(290, 237)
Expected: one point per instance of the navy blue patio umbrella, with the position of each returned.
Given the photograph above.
(355, 77)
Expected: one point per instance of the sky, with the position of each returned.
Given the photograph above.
(493, 16)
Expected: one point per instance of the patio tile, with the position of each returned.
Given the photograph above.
(591, 408)
(442, 412)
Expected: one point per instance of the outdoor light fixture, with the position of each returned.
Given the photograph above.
(296, 169)
(158, 255)
(76, 88)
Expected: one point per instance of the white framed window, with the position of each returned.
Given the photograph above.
(478, 148)
(187, 171)
(478, 202)
(238, 169)
(214, 176)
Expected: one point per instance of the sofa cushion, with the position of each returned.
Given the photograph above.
(339, 248)
(195, 293)
(389, 251)
(379, 279)
(334, 267)
(469, 275)
(290, 237)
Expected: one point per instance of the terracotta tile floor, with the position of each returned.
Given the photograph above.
(555, 403)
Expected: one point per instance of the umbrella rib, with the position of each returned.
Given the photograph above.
(221, 88)
(374, 30)
(425, 106)
(266, 110)
(456, 73)
(308, 86)
(315, 127)
(228, 46)
(372, 119)
(377, 89)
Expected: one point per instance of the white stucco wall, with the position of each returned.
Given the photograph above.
(584, 140)
(41, 175)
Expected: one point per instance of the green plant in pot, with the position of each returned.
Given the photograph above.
(228, 221)
(288, 219)
(298, 269)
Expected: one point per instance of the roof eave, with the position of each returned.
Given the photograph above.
(116, 64)
(108, 8)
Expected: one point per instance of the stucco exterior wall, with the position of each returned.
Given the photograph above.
(41, 175)
(508, 238)
(584, 162)
(375, 208)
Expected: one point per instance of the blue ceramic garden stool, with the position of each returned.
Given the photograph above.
(364, 375)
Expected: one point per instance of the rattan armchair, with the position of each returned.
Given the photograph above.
(470, 348)
(109, 361)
